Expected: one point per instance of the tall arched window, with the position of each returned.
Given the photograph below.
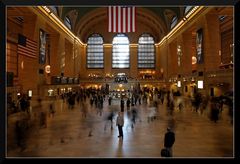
(67, 22)
(146, 52)
(187, 9)
(54, 9)
(95, 57)
(174, 21)
(120, 53)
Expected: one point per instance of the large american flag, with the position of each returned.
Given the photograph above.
(121, 19)
(26, 47)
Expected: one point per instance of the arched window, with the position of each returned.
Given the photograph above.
(95, 57)
(67, 22)
(54, 9)
(174, 21)
(120, 53)
(187, 9)
(146, 52)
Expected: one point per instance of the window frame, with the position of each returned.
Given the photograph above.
(174, 22)
(97, 52)
(147, 57)
(129, 56)
(67, 22)
(187, 9)
(54, 9)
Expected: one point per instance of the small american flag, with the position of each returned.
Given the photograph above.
(121, 19)
(27, 47)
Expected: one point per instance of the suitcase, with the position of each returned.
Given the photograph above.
(165, 152)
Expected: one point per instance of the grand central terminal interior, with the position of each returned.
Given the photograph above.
(113, 81)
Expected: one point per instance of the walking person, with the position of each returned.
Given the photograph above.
(109, 100)
(139, 100)
(162, 98)
(120, 124)
(122, 105)
(169, 140)
(21, 131)
(109, 120)
(51, 110)
(128, 103)
(214, 110)
(84, 109)
(134, 116)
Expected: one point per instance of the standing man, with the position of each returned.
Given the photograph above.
(120, 123)
(169, 140)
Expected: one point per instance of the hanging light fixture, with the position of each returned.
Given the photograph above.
(47, 69)
(194, 60)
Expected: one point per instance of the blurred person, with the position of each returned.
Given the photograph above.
(214, 110)
(120, 124)
(51, 110)
(128, 103)
(169, 140)
(109, 100)
(109, 119)
(122, 105)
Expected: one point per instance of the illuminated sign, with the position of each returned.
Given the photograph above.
(200, 84)
(179, 83)
(30, 93)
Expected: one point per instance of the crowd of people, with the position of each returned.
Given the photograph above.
(96, 98)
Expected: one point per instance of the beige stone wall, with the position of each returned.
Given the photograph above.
(65, 50)
(61, 45)
(186, 36)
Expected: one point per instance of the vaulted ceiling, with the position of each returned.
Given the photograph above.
(86, 20)
(163, 13)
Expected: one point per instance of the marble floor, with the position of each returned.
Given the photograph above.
(67, 133)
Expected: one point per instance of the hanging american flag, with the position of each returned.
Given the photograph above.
(27, 47)
(121, 19)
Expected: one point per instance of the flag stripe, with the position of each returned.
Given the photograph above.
(124, 19)
(117, 23)
(109, 19)
(114, 19)
(130, 26)
(30, 50)
(129, 20)
(121, 19)
(133, 19)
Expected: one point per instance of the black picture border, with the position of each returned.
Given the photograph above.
(5, 3)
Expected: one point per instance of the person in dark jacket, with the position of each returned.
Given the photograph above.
(169, 140)
(109, 100)
(122, 105)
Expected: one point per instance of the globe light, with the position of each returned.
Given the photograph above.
(194, 60)
(47, 69)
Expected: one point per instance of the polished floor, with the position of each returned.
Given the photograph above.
(67, 133)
